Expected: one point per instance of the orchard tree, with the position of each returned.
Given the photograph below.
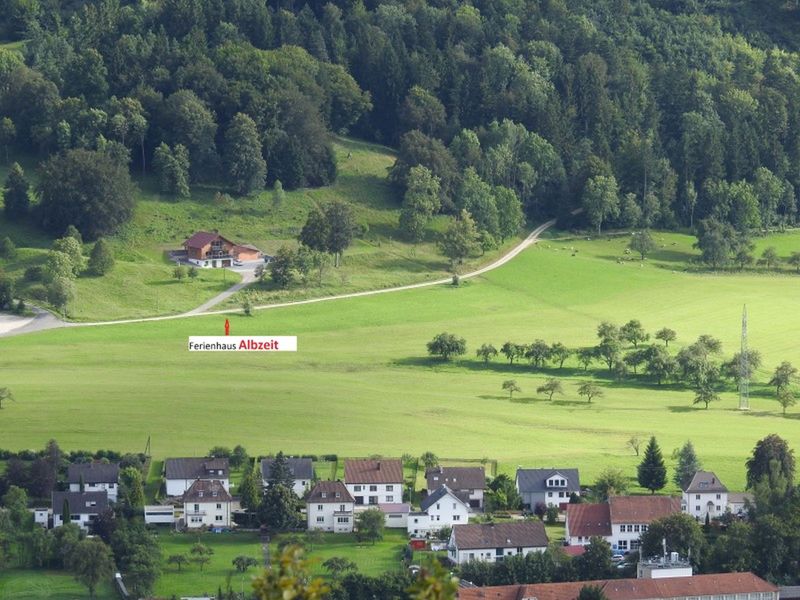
(486, 353)
(460, 239)
(559, 353)
(783, 375)
(370, 524)
(245, 167)
(201, 554)
(590, 390)
(642, 243)
(510, 386)
(550, 387)
(786, 398)
(634, 443)
(769, 257)
(666, 335)
(634, 333)
(511, 351)
(447, 345)
(652, 472)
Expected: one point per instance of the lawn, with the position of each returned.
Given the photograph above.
(19, 584)
(361, 383)
(190, 580)
(142, 284)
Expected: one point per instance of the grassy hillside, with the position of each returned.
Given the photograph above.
(142, 283)
(18, 584)
(361, 384)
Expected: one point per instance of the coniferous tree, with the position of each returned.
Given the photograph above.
(16, 198)
(245, 167)
(652, 472)
(688, 465)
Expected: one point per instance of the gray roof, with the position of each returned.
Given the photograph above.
(94, 472)
(301, 468)
(196, 468)
(437, 495)
(457, 478)
(534, 480)
(705, 482)
(514, 534)
(86, 503)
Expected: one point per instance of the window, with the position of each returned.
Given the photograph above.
(622, 528)
(636, 528)
(635, 544)
(549, 494)
(320, 519)
(342, 519)
(76, 517)
(390, 498)
(389, 488)
(219, 506)
(697, 509)
(560, 494)
(454, 505)
(323, 494)
(196, 508)
(373, 499)
(697, 496)
(341, 508)
(437, 506)
(456, 517)
(644, 528)
(218, 518)
(719, 508)
(373, 488)
(319, 507)
(622, 544)
(356, 488)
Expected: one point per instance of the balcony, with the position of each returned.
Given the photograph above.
(193, 513)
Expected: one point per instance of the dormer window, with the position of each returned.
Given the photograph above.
(324, 494)
(200, 494)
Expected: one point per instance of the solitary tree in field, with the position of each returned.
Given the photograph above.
(705, 394)
(666, 335)
(652, 472)
(510, 385)
(5, 394)
(786, 398)
(550, 387)
(447, 345)
(590, 390)
(178, 560)
(242, 563)
(783, 375)
(642, 243)
(634, 443)
(486, 353)
(201, 554)
(794, 260)
(91, 561)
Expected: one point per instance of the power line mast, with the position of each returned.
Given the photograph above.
(744, 367)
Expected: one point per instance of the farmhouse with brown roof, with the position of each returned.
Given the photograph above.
(329, 507)
(373, 482)
(210, 249)
(207, 504)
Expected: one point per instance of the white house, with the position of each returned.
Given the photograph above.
(395, 514)
(181, 473)
(548, 487)
(468, 483)
(442, 508)
(621, 521)
(705, 496)
(374, 482)
(302, 470)
(82, 507)
(738, 501)
(95, 477)
(207, 504)
(330, 507)
(492, 542)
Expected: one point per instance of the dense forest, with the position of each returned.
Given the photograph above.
(646, 113)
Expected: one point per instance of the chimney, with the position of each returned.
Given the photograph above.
(379, 465)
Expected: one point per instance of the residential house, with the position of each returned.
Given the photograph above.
(302, 470)
(207, 503)
(468, 483)
(330, 507)
(442, 508)
(632, 515)
(549, 487)
(95, 477)
(738, 501)
(210, 249)
(395, 514)
(492, 542)
(621, 521)
(181, 473)
(374, 482)
(82, 507)
(705, 496)
(698, 587)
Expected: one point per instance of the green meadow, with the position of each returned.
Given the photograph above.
(17, 584)
(361, 383)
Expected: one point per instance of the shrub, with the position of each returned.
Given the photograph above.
(34, 273)
(38, 292)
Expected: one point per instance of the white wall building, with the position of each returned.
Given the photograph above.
(181, 473)
(95, 477)
(83, 507)
(493, 542)
(374, 482)
(207, 504)
(705, 495)
(442, 508)
(330, 507)
(549, 487)
(468, 483)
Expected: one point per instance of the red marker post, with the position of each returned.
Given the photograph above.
(227, 327)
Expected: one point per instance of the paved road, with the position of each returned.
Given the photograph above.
(48, 321)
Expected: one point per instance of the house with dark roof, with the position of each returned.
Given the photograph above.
(94, 477)
(698, 587)
(621, 521)
(374, 482)
(181, 473)
(330, 507)
(81, 507)
(493, 542)
(210, 249)
(207, 503)
(705, 496)
(549, 487)
(468, 483)
(442, 508)
(302, 470)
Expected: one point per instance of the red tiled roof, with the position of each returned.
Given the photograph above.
(514, 534)
(373, 471)
(628, 589)
(586, 520)
(573, 550)
(642, 509)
